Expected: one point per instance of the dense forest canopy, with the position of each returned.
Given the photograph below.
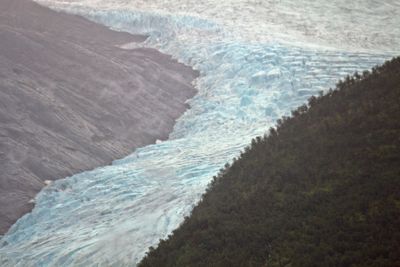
(320, 189)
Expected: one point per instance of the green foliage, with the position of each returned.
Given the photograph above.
(322, 189)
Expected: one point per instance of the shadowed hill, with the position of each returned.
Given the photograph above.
(322, 189)
(72, 100)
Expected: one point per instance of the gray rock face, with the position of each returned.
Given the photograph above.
(71, 99)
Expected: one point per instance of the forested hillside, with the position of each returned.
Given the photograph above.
(320, 189)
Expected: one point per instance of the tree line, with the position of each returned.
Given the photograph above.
(322, 188)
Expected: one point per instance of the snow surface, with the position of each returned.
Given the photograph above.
(257, 59)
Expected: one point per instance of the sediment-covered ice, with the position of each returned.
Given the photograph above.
(111, 215)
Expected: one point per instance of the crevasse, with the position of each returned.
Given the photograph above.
(111, 215)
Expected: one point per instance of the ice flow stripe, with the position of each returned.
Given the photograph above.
(111, 215)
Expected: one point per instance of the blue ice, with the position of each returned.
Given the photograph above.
(111, 215)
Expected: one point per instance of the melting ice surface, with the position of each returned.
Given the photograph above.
(257, 59)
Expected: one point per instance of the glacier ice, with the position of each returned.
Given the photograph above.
(111, 215)
(354, 25)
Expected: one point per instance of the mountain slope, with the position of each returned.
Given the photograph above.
(322, 189)
(72, 100)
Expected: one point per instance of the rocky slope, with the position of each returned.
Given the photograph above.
(71, 99)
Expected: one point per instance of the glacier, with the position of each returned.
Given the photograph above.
(257, 60)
